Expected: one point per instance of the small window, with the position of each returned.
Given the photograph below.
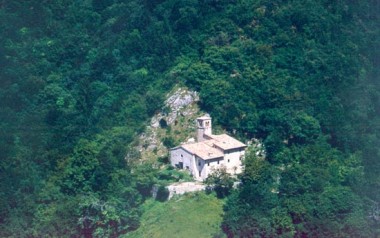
(199, 163)
(228, 161)
(181, 155)
(208, 164)
(218, 161)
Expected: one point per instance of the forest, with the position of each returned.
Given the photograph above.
(80, 79)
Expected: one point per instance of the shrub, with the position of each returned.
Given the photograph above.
(162, 194)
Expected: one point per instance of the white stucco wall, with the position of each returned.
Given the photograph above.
(233, 161)
(211, 165)
(200, 165)
(200, 169)
(179, 155)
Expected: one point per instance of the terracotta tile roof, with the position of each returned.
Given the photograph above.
(224, 141)
(203, 150)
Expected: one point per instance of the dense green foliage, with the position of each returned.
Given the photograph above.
(79, 80)
(77, 85)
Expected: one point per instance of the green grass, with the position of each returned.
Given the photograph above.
(192, 215)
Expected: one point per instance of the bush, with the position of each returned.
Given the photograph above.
(220, 181)
(168, 142)
(162, 194)
(164, 160)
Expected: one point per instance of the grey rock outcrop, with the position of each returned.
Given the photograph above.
(176, 103)
(179, 103)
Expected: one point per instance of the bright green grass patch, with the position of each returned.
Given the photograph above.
(192, 215)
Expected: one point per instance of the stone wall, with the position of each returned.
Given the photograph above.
(185, 187)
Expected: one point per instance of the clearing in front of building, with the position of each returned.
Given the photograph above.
(192, 215)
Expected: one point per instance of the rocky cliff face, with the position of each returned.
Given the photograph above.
(175, 123)
(180, 103)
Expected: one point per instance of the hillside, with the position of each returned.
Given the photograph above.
(80, 82)
(173, 124)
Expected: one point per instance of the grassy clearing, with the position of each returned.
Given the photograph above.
(192, 215)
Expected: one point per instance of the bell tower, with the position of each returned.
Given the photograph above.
(204, 127)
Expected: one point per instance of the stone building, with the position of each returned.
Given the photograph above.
(209, 152)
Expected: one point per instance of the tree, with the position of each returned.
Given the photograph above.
(249, 208)
(220, 181)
